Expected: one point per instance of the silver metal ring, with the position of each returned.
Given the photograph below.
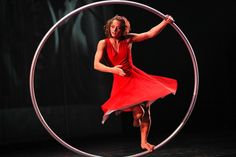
(102, 3)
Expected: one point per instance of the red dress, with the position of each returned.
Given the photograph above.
(136, 86)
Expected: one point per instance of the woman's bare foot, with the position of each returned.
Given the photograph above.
(149, 147)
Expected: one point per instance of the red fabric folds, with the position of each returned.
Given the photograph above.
(136, 86)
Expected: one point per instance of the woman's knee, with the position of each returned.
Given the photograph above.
(138, 111)
(147, 115)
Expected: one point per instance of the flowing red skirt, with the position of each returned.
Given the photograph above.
(134, 88)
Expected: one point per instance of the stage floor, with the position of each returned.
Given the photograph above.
(207, 144)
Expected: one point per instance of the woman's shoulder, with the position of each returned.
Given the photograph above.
(102, 43)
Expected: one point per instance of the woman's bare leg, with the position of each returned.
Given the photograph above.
(138, 113)
(144, 129)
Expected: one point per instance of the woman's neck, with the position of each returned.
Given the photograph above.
(116, 40)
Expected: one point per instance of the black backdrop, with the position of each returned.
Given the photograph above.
(65, 79)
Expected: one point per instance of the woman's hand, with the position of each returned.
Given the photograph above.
(117, 70)
(169, 19)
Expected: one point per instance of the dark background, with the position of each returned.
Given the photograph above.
(69, 91)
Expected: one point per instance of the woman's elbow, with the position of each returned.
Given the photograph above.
(95, 66)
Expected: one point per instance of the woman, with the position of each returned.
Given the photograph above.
(132, 89)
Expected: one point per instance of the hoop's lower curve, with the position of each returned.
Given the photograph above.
(102, 3)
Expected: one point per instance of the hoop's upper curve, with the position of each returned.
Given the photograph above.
(102, 3)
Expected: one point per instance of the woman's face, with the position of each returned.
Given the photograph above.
(115, 29)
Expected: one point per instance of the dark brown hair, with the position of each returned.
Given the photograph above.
(125, 25)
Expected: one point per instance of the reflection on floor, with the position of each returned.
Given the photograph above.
(207, 144)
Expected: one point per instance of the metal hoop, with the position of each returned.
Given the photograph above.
(102, 3)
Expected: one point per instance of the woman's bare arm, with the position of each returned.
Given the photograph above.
(153, 31)
(101, 67)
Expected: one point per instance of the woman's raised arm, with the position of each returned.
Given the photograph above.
(153, 31)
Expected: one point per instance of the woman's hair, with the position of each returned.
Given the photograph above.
(125, 25)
